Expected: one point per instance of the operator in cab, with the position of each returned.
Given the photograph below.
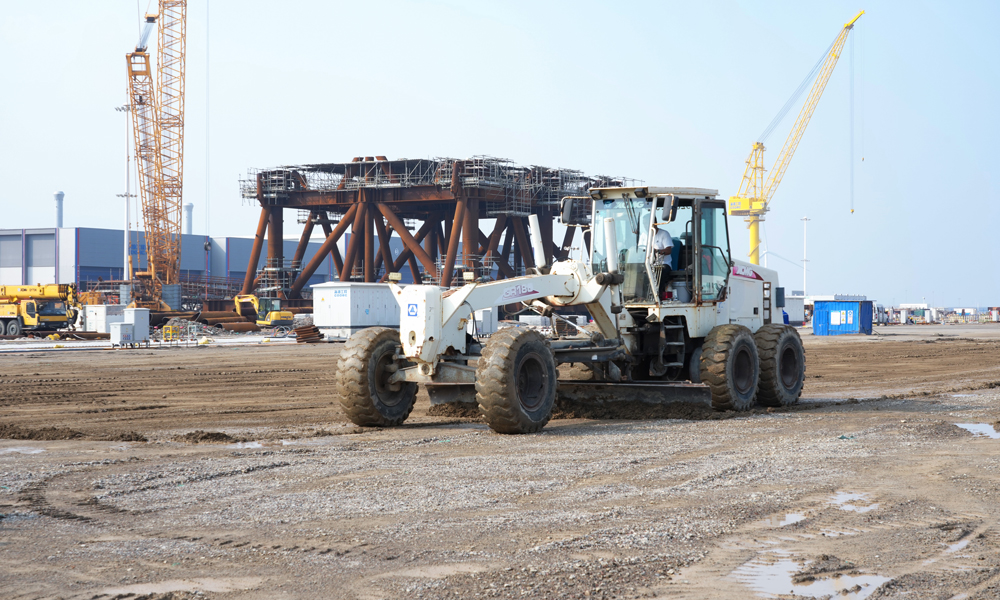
(663, 247)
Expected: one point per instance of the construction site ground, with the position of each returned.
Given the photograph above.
(229, 471)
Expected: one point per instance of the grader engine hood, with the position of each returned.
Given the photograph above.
(432, 319)
(420, 320)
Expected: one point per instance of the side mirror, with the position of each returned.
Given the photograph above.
(566, 216)
(566, 211)
(669, 212)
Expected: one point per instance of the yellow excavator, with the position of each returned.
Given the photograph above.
(265, 312)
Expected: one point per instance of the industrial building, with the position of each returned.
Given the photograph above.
(83, 254)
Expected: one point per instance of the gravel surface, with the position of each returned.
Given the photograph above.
(265, 491)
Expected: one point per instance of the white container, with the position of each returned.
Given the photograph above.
(99, 317)
(121, 334)
(486, 322)
(343, 308)
(795, 307)
(680, 290)
(535, 320)
(139, 318)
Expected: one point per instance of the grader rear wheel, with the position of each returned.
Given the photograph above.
(365, 365)
(782, 365)
(516, 381)
(730, 366)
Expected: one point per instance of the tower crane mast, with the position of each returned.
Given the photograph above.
(158, 130)
(754, 196)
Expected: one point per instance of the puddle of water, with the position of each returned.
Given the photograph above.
(782, 520)
(847, 501)
(771, 576)
(980, 430)
(962, 395)
(952, 548)
(204, 584)
(838, 532)
(22, 450)
(247, 445)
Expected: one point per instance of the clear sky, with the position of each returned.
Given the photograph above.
(672, 93)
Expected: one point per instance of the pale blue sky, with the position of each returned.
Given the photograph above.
(670, 93)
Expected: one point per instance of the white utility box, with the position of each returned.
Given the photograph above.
(139, 318)
(341, 308)
(795, 307)
(486, 322)
(121, 334)
(99, 317)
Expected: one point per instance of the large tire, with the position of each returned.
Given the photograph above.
(782, 365)
(14, 327)
(361, 380)
(516, 381)
(730, 366)
(694, 366)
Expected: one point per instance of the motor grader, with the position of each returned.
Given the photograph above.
(685, 324)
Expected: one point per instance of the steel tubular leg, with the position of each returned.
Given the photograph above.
(258, 242)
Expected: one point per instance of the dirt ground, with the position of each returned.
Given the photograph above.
(231, 472)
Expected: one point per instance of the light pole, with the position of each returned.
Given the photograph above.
(126, 275)
(805, 222)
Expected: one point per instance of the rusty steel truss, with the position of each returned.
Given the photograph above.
(432, 205)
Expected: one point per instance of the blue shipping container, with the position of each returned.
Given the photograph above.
(837, 318)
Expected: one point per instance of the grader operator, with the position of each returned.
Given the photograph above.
(709, 333)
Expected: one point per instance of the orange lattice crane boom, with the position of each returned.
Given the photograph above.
(158, 128)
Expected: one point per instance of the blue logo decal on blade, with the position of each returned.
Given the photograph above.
(411, 310)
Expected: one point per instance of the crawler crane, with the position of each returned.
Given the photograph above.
(158, 130)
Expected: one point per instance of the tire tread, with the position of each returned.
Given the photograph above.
(715, 351)
(768, 339)
(352, 379)
(493, 392)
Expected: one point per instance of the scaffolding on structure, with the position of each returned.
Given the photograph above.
(433, 205)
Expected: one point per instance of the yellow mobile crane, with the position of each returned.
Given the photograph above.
(158, 128)
(36, 307)
(755, 193)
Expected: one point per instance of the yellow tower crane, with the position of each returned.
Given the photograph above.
(158, 128)
(754, 197)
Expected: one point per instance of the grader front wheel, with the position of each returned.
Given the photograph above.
(366, 363)
(516, 381)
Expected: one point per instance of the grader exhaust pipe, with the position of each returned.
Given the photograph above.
(536, 241)
(611, 245)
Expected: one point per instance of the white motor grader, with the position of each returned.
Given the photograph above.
(690, 324)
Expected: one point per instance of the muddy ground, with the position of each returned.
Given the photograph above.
(231, 472)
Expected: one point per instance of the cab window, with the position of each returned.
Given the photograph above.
(52, 309)
(714, 251)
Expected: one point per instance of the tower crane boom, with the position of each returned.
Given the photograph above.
(755, 193)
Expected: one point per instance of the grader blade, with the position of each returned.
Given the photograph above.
(600, 393)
